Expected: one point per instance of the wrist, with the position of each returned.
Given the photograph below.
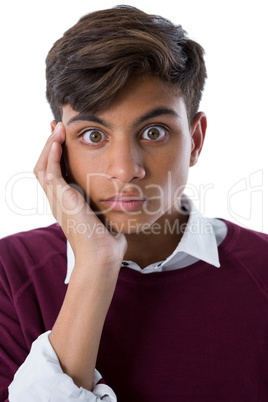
(100, 273)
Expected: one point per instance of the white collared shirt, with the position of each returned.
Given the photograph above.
(200, 241)
(41, 378)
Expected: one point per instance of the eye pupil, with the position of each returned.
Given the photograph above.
(153, 133)
(95, 136)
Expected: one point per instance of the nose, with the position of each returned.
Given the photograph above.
(125, 162)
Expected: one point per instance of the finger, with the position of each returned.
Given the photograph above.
(54, 185)
(53, 169)
(58, 135)
(64, 200)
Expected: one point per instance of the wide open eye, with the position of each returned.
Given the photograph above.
(92, 136)
(154, 133)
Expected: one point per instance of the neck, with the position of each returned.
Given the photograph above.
(157, 243)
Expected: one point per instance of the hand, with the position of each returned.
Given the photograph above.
(89, 238)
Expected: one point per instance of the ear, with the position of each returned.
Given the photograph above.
(53, 125)
(198, 132)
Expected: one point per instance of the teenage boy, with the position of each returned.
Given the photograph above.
(145, 303)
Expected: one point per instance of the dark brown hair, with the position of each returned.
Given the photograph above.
(95, 58)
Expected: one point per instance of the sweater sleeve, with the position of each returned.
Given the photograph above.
(13, 348)
(38, 373)
(40, 376)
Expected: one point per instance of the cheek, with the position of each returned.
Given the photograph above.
(81, 167)
(176, 170)
(177, 160)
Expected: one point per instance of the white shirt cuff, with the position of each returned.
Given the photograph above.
(41, 378)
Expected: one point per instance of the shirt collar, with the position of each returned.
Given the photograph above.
(198, 241)
(199, 238)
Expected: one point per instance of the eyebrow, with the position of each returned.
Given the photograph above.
(159, 111)
(87, 117)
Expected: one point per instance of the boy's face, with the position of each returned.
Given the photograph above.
(132, 159)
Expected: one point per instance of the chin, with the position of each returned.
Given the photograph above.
(128, 224)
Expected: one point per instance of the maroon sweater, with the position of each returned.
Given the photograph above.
(198, 334)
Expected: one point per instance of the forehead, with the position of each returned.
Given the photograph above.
(137, 98)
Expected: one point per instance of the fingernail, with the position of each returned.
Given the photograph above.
(55, 129)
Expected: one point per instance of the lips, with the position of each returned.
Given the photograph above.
(124, 202)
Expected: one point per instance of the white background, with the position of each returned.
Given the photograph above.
(232, 173)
